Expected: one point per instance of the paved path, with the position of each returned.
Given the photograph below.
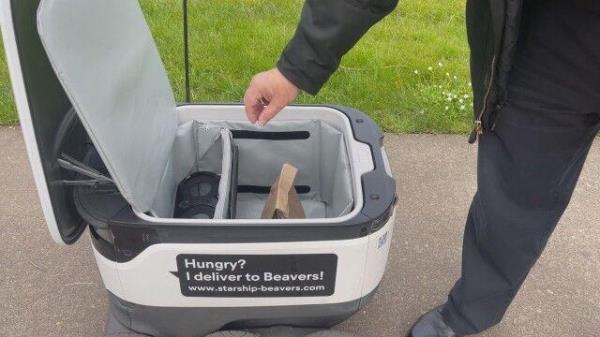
(52, 291)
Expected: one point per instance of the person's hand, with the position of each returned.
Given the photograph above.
(267, 94)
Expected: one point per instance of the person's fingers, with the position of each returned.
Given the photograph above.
(253, 104)
(252, 112)
(270, 111)
(268, 93)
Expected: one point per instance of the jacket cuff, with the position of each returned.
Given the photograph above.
(299, 77)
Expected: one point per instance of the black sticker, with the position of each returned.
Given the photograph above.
(256, 275)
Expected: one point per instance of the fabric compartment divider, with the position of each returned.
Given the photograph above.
(202, 148)
(222, 207)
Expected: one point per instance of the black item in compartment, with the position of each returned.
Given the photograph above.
(197, 196)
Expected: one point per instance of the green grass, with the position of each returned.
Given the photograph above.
(387, 75)
(8, 114)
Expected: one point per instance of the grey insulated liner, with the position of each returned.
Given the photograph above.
(104, 56)
(316, 148)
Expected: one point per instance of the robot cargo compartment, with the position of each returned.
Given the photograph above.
(247, 159)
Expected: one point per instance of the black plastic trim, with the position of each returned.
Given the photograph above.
(103, 247)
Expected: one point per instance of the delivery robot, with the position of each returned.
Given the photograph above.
(109, 148)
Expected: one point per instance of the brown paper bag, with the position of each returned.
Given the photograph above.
(283, 201)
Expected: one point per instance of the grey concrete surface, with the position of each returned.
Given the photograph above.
(47, 290)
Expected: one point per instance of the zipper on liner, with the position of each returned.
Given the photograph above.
(477, 129)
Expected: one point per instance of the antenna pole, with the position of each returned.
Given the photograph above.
(186, 51)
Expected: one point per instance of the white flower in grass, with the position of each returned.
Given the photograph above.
(416, 72)
(465, 96)
(440, 64)
(430, 68)
(462, 107)
(447, 74)
(446, 108)
(461, 101)
(455, 77)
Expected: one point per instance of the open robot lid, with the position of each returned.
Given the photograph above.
(93, 62)
(105, 57)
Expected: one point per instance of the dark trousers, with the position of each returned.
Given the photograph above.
(527, 170)
(529, 165)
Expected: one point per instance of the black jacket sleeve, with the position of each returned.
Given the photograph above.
(328, 29)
